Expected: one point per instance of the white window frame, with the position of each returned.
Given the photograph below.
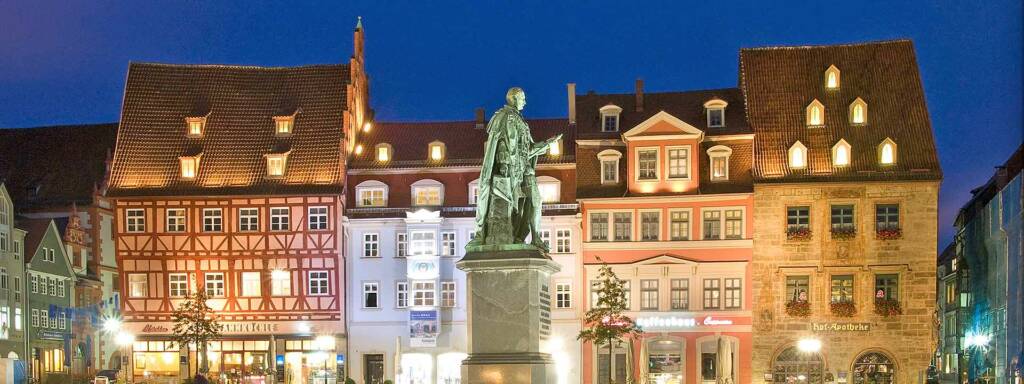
(611, 225)
(137, 287)
(248, 219)
(449, 246)
(608, 227)
(211, 221)
(721, 219)
(611, 110)
(425, 184)
(318, 218)
(473, 191)
(449, 294)
(545, 237)
(383, 152)
(792, 154)
(402, 294)
(172, 288)
(612, 156)
(436, 151)
(284, 125)
(280, 222)
(370, 186)
(567, 291)
(61, 291)
(549, 182)
(401, 244)
(639, 223)
(35, 317)
(833, 69)
(175, 218)
(273, 171)
(214, 282)
(686, 164)
(280, 283)
(371, 287)
(321, 277)
(689, 223)
(247, 278)
(563, 240)
(429, 297)
(134, 223)
(657, 164)
(715, 105)
(428, 247)
(718, 152)
(371, 245)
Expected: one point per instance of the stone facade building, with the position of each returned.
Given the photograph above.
(846, 182)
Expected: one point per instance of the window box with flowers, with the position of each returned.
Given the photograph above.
(887, 307)
(843, 233)
(843, 308)
(800, 234)
(798, 308)
(889, 233)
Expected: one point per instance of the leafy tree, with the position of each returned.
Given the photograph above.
(194, 323)
(605, 321)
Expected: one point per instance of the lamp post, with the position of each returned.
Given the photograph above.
(113, 327)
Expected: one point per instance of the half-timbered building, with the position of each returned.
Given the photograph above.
(230, 179)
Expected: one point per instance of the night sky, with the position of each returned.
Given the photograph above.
(65, 62)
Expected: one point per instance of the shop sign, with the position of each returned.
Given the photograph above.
(422, 267)
(150, 328)
(423, 328)
(248, 327)
(240, 328)
(840, 327)
(51, 335)
(679, 322)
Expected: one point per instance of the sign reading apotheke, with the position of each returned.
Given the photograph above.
(840, 327)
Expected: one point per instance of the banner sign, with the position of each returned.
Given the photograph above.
(840, 327)
(423, 328)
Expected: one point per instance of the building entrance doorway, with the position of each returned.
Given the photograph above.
(874, 368)
(795, 366)
(373, 369)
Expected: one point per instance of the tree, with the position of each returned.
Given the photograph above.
(605, 321)
(194, 323)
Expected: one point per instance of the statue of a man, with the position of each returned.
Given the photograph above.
(508, 201)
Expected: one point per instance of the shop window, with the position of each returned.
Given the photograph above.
(709, 350)
(213, 219)
(649, 295)
(887, 286)
(598, 226)
(650, 225)
(317, 218)
(842, 289)
(665, 360)
(712, 294)
(175, 220)
(798, 288)
(873, 368)
(680, 294)
(679, 225)
(792, 364)
(279, 219)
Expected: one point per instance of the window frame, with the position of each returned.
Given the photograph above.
(322, 222)
(429, 245)
(792, 285)
(426, 184)
(132, 293)
(208, 280)
(889, 295)
(610, 111)
(642, 226)
(559, 293)
(449, 247)
(689, 224)
(719, 152)
(852, 288)
(590, 226)
(371, 288)
(402, 244)
(371, 186)
(842, 144)
(242, 287)
(449, 297)
(132, 223)
(813, 106)
(736, 290)
(274, 172)
(686, 149)
(806, 217)
(281, 285)
(650, 293)
(614, 223)
(841, 224)
(716, 293)
(171, 289)
(853, 112)
(682, 291)
(315, 289)
(888, 216)
(371, 245)
(613, 157)
(215, 223)
(172, 223)
(797, 146)
(563, 236)
(881, 152)
(548, 181)
(656, 162)
(429, 298)
(402, 294)
(280, 222)
(248, 219)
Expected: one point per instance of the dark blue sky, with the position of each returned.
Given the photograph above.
(64, 62)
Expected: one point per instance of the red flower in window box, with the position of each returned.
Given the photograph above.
(889, 234)
(798, 234)
(887, 307)
(798, 308)
(843, 233)
(843, 308)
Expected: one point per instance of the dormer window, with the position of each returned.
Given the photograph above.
(716, 112)
(276, 164)
(887, 152)
(832, 77)
(610, 118)
(815, 114)
(609, 160)
(283, 125)
(550, 189)
(436, 151)
(189, 166)
(359, 149)
(371, 193)
(383, 152)
(719, 156)
(841, 154)
(195, 126)
(798, 156)
(427, 192)
(858, 112)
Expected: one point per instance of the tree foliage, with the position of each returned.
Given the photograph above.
(195, 324)
(605, 321)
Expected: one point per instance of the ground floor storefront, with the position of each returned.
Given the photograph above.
(48, 357)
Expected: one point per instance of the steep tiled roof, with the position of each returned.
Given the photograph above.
(463, 141)
(687, 106)
(780, 82)
(53, 167)
(35, 230)
(239, 103)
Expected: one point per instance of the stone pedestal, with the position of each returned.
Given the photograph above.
(509, 305)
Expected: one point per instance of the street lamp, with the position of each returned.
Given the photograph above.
(111, 325)
(808, 346)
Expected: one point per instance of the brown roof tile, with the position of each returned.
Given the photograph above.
(779, 82)
(241, 102)
(687, 106)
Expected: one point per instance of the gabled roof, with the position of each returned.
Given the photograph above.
(53, 167)
(239, 103)
(678, 128)
(687, 106)
(35, 231)
(463, 141)
(780, 82)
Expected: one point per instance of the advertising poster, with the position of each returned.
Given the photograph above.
(423, 328)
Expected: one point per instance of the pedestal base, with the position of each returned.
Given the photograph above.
(508, 316)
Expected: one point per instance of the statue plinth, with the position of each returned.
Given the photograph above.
(509, 306)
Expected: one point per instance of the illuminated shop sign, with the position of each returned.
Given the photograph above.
(840, 327)
(655, 322)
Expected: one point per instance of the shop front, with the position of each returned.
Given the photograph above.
(49, 354)
(279, 353)
(794, 364)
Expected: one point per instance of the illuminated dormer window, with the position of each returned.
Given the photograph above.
(276, 164)
(359, 149)
(716, 112)
(815, 114)
(283, 125)
(383, 151)
(195, 126)
(858, 112)
(832, 77)
(798, 156)
(435, 151)
(189, 166)
(887, 152)
(719, 157)
(550, 189)
(427, 192)
(841, 154)
(610, 118)
(609, 159)
(372, 193)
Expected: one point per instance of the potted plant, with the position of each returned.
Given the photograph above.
(798, 233)
(843, 233)
(798, 308)
(888, 233)
(844, 308)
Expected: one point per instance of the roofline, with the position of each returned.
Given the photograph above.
(426, 122)
(232, 66)
(857, 44)
(663, 93)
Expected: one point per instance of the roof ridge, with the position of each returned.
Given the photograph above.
(664, 93)
(233, 66)
(461, 121)
(814, 46)
(83, 125)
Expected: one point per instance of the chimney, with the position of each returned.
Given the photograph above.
(358, 39)
(480, 122)
(639, 95)
(571, 90)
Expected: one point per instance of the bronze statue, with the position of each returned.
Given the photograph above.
(508, 201)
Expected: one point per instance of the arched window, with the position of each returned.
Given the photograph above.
(610, 118)
(666, 359)
(716, 112)
(815, 113)
(797, 156)
(550, 189)
(371, 193)
(887, 152)
(796, 366)
(841, 154)
(427, 192)
(858, 112)
(832, 77)
(873, 367)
